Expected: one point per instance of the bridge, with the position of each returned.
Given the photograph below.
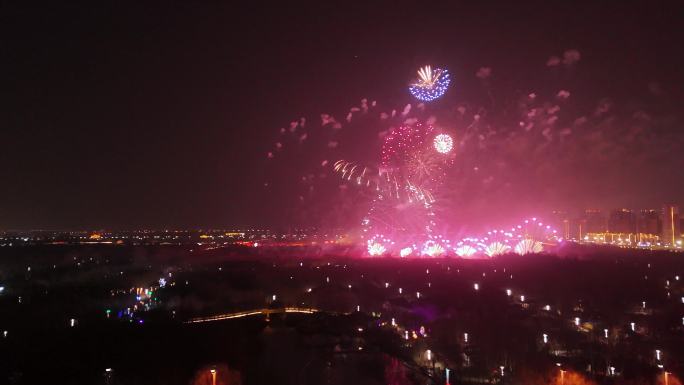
(250, 313)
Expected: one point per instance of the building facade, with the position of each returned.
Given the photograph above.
(671, 226)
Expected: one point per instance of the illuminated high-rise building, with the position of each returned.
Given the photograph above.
(622, 221)
(595, 221)
(561, 221)
(670, 219)
(648, 222)
(590, 222)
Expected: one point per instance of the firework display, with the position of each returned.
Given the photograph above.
(466, 251)
(411, 168)
(421, 174)
(376, 248)
(494, 249)
(431, 84)
(528, 246)
(433, 249)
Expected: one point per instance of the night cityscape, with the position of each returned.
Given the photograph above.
(368, 193)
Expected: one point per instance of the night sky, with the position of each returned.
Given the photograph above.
(157, 115)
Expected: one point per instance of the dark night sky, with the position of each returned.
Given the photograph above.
(150, 114)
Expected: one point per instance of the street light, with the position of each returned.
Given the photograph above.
(108, 375)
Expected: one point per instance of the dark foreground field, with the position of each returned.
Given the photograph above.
(118, 315)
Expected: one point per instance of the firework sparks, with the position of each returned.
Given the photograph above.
(433, 249)
(423, 165)
(496, 248)
(466, 251)
(528, 246)
(430, 84)
(376, 248)
(443, 143)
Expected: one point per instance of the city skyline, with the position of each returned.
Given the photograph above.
(640, 229)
